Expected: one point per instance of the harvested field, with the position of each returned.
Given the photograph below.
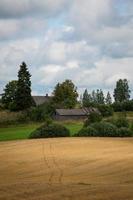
(67, 168)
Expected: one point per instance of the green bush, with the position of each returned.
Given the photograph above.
(12, 106)
(117, 107)
(41, 112)
(123, 106)
(124, 132)
(50, 130)
(36, 114)
(105, 129)
(131, 127)
(105, 110)
(92, 118)
(121, 122)
(89, 131)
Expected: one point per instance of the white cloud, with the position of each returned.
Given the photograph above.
(90, 42)
(24, 8)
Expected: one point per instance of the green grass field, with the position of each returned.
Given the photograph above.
(15, 132)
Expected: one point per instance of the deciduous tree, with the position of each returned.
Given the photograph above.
(65, 94)
(9, 95)
(122, 91)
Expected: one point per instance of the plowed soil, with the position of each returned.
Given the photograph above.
(67, 168)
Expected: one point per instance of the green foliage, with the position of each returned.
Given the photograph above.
(127, 105)
(123, 106)
(105, 110)
(131, 127)
(88, 131)
(23, 98)
(121, 122)
(93, 99)
(41, 112)
(121, 92)
(117, 106)
(87, 99)
(65, 94)
(9, 95)
(92, 118)
(124, 132)
(108, 99)
(50, 130)
(105, 129)
(100, 97)
(12, 106)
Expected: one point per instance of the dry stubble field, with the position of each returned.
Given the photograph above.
(68, 168)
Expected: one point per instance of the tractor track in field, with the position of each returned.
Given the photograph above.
(47, 163)
(56, 164)
(55, 170)
(53, 166)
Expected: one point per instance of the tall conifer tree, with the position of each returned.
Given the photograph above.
(108, 99)
(23, 95)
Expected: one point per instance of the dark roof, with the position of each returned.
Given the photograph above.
(41, 99)
(76, 111)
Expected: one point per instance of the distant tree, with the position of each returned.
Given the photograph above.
(65, 94)
(97, 97)
(23, 98)
(9, 95)
(85, 97)
(108, 99)
(81, 100)
(122, 91)
(100, 97)
(94, 97)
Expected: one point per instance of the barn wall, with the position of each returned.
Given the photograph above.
(63, 118)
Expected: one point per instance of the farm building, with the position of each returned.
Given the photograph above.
(73, 114)
(39, 100)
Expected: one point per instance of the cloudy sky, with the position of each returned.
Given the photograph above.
(88, 41)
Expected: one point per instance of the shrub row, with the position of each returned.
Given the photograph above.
(123, 106)
(104, 129)
(92, 127)
(120, 122)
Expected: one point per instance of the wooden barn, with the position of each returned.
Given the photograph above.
(73, 114)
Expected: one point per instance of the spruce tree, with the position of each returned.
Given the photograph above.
(85, 98)
(23, 95)
(108, 99)
(101, 97)
(98, 97)
(94, 97)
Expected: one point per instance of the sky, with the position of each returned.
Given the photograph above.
(87, 41)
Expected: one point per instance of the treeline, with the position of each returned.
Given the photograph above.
(121, 94)
(17, 96)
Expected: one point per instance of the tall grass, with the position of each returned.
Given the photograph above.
(9, 118)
